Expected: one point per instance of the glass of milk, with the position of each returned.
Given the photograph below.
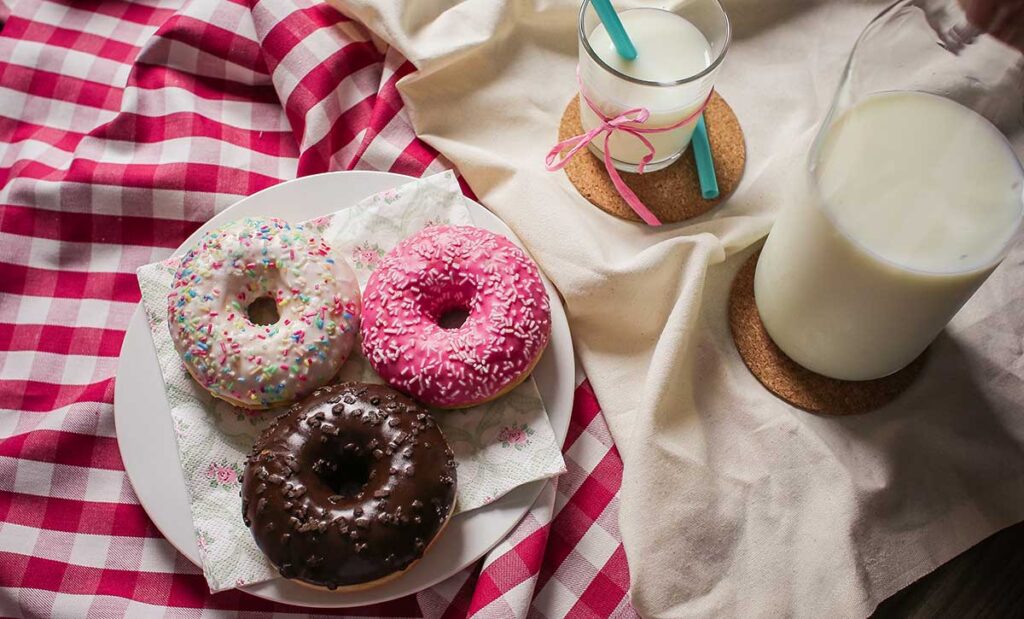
(679, 53)
(911, 198)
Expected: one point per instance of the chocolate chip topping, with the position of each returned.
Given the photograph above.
(330, 486)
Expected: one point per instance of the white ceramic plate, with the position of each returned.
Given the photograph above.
(145, 433)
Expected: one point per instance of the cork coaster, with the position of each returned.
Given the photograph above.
(673, 194)
(792, 382)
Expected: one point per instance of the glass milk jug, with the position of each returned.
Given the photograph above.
(912, 195)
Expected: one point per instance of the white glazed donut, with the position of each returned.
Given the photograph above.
(234, 347)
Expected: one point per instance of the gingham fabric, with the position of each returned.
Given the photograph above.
(123, 127)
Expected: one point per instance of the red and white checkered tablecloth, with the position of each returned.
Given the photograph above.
(123, 127)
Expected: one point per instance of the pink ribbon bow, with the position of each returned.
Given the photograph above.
(565, 150)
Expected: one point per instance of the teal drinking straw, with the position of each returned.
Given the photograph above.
(705, 164)
(613, 25)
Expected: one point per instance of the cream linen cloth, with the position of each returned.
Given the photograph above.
(733, 503)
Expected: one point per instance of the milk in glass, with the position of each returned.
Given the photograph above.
(669, 48)
(912, 199)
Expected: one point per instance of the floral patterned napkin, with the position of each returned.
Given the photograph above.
(498, 446)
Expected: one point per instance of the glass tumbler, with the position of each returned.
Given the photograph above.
(912, 195)
(680, 48)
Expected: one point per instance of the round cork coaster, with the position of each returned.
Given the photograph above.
(792, 382)
(672, 194)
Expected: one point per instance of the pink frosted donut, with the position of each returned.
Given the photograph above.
(451, 271)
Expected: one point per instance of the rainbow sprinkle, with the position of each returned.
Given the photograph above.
(255, 365)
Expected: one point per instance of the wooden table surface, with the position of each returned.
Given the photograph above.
(985, 581)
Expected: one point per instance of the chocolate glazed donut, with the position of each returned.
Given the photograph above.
(349, 487)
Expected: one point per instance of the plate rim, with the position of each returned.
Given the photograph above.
(526, 494)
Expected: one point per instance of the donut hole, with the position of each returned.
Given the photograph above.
(453, 318)
(263, 311)
(345, 475)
